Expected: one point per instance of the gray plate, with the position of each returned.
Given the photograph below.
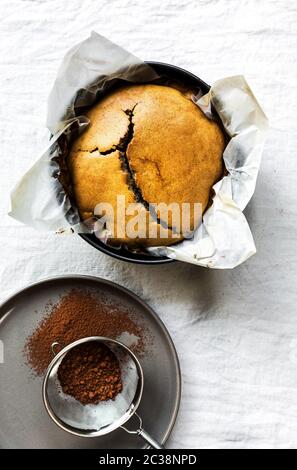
(24, 422)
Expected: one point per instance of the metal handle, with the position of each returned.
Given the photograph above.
(143, 434)
(149, 439)
(54, 345)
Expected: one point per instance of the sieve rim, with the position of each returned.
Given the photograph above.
(111, 427)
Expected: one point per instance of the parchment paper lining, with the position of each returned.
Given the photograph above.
(224, 239)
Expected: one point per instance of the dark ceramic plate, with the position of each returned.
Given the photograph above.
(24, 422)
(122, 253)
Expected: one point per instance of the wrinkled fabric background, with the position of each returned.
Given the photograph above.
(235, 331)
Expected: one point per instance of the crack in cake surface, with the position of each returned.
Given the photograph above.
(122, 147)
(102, 152)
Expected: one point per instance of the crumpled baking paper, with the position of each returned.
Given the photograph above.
(224, 239)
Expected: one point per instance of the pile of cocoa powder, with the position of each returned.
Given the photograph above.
(79, 314)
(90, 372)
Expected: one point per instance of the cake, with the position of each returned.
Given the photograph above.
(150, 144)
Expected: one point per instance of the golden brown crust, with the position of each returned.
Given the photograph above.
(97, 178)
(177, 155)
(174, 152)
(108, 121)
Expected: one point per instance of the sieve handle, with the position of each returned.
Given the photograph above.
(149, 439)
(143, 434)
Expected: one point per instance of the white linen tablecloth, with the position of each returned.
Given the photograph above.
(235, 331)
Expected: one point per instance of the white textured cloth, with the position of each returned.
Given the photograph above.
(235, 331)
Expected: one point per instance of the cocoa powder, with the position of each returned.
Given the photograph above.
(90, 372)
(79, 314)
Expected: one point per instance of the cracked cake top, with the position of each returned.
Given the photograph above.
(151, 144)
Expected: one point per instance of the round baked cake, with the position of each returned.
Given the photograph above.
(149, 144)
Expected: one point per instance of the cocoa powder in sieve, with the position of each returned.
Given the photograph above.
(78, 314)
(90, 372)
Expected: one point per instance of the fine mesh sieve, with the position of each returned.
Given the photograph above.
(105, 417)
